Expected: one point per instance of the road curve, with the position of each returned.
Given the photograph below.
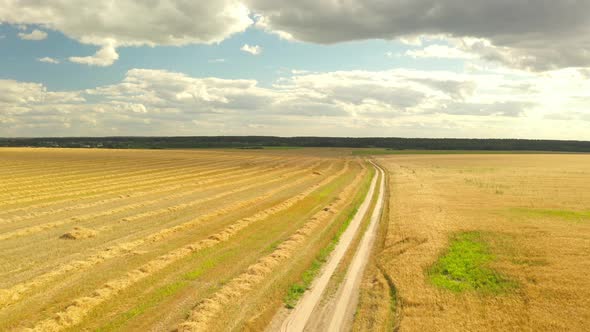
(348, 295)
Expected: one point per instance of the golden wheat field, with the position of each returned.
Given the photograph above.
(482, 243)
(223, 240)
(161, 240)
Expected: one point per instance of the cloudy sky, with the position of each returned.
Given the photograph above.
(420, 68)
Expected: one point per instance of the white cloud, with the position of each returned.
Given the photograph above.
(216, 61)
(521, 34)
(254, 49)
(262, 24)
(113, 24)
(441, 52)
(106, 56)
(48, 60)
(160, 90)
(542, 35)
(26, 102)
(33, 35)
(482, 103)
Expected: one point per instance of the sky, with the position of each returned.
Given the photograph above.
(346, 68)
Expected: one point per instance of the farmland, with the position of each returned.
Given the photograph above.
(193, 240)
(139, 240)
(480, 242)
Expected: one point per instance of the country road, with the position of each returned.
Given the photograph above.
(347, 296)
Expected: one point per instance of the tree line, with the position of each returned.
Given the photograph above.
(257, 142)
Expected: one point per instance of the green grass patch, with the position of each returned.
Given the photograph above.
(297, 290)
(465, 267)
(559, 214)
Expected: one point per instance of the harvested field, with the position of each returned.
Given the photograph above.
(482, 243)
(219, 240)
(134, 240)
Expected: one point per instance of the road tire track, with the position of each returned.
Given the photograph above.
(347, 298)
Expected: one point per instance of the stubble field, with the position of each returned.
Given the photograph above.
(482, 243)
(162, 240)
(110, 240)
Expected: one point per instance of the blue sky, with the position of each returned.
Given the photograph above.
(361, 68)
(19, 59)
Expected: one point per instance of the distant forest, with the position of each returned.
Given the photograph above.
(259, 142)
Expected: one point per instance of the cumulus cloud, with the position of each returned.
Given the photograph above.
(539, 35)
(48, 60)
(106, 56)
(396, 94)
(482, 103)
(440, 52)
(29, 105)
(254, 49)
(113, 24)
(508, 109)
(33, 35)
(535, 35)
(162, 90)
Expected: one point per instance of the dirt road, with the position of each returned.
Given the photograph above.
(347, 296)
